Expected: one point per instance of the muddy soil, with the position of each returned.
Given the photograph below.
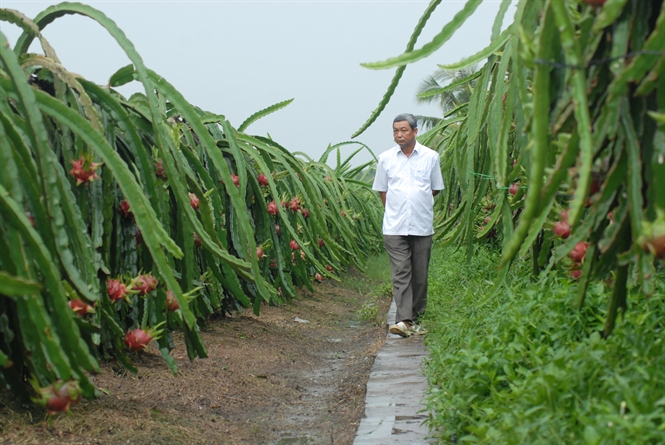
(295, 375)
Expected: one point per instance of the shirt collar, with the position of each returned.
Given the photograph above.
(416, 149)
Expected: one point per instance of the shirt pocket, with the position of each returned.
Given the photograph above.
(421, 176)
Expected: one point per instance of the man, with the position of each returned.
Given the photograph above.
(408, 177)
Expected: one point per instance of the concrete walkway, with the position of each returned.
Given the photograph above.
(396, 386)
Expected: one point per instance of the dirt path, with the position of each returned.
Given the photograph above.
(268, 380)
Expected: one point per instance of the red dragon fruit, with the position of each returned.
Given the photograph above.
(117, 290)
(171, 302)
(294, 245)
(58, 397)
(294, 205)
(145, 284)
(84, 170)
(579, 252)
(305, 213)
(236, 180)
(194, 201)
(159, 169)
(318, 277)
(259, 253)
(278, 229)
(80, 307)
(123, 208)
(272, 208)
(561, 229)
(263, 180)
(137, 339)
(321, 242)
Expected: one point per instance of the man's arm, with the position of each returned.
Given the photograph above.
(434, 192)
(383, 197)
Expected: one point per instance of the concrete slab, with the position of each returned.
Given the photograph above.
(394, 412)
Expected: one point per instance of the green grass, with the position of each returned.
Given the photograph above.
(529, 368)
(378, 268)
(374, 286)
(375, 275)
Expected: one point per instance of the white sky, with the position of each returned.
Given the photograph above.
(237, 57)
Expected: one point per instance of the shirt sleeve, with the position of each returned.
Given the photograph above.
(435, 177)
(380, 177)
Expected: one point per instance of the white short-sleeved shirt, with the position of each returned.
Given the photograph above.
(409, 183)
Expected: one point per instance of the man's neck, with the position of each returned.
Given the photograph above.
(408, 150)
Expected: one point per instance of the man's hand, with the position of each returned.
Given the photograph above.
(383, 197)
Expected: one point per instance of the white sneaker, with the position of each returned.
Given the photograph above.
(400, 329)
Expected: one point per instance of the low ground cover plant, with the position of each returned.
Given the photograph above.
(529, 367)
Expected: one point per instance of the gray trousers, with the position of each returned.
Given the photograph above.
(409, 263)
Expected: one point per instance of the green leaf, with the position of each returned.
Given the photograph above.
(540, 142)
(122, 77)
(436, 43)
(262, 113)
(482, 54)
(400, 71)
(13, 286)
(451, 86)
(609, 14)
(591, 435)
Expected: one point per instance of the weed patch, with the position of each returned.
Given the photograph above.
(527, 367)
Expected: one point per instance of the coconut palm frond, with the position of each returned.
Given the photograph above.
(427, 122)
(450, 99)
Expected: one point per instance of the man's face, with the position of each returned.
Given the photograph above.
(403, 134)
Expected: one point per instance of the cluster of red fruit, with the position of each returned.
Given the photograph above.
(577, 255)
(561, 229)
(141, 285)
(294, 205)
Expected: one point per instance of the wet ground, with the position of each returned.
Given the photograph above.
(295, 375)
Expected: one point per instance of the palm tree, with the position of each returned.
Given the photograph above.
(448, 88)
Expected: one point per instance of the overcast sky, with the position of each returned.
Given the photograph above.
(237, 57)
